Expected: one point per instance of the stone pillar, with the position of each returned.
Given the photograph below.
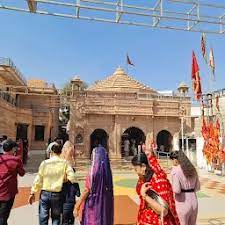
(176, 146)
(117, 139)
(86, 147)
(149, 138)
(187, 149)
(201, 162)
(111, 141)
(72, 124)
(30, 135)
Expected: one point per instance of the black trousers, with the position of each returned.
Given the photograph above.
(5, 208)
(69, 192)
(67, 216)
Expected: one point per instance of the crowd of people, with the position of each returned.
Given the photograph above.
(161, 202)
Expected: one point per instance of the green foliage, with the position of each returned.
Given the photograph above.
(68, 87)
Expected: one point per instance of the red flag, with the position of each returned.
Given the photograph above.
(196, 80)
(217, 129)
(211, 130)
(217, 124)
(203, 47)
(204, 128)
(217, 103)
(211, 61)
(129, 61)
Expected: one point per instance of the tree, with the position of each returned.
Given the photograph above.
(64, 112)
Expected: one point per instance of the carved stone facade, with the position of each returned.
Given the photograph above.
(109, 108)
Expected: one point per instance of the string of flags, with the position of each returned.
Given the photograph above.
(210, 61)
(213, 149)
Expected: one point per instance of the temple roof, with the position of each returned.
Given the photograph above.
(120, 82)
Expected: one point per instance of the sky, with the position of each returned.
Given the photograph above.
(57, 49)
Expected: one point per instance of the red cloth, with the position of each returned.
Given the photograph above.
(10, 166)
(196, 80)
(205, 129)
(162, 186)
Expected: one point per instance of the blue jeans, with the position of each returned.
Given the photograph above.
(50, 201)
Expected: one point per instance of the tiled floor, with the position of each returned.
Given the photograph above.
(211, 196)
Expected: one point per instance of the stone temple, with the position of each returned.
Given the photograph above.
(119, 108)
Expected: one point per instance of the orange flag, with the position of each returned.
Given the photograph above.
(204, 128)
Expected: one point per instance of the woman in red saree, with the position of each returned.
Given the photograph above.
(152, 177)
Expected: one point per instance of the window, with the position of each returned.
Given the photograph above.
(79, 139)
(39, 133)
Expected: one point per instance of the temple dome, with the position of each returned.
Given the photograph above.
(120, 82)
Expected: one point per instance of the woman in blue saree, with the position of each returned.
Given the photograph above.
(98, 194)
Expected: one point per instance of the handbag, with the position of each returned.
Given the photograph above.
(152, 194)
(70, 191)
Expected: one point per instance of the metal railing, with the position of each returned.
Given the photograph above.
(9, 63)
(163, 155)
(8, 98)
(184, 15)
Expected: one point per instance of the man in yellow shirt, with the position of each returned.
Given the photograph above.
(50, 178)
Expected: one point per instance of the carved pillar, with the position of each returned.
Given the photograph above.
(150, 133)
(176, 141)
(87, 144)
(114, 139)
(118, 140)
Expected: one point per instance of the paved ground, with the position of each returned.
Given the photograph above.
(211, 197)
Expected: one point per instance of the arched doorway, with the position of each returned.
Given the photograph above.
(131, 138)
(100, 136)
(164, 141)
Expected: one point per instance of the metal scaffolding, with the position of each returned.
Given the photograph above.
(187, 15)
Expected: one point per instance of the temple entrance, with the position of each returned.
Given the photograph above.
(164, 141)
(99, 136)
(22, 131)
(131, 139)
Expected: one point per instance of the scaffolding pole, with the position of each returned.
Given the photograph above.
(195, 16)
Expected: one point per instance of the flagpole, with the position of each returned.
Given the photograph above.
(212, 69)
